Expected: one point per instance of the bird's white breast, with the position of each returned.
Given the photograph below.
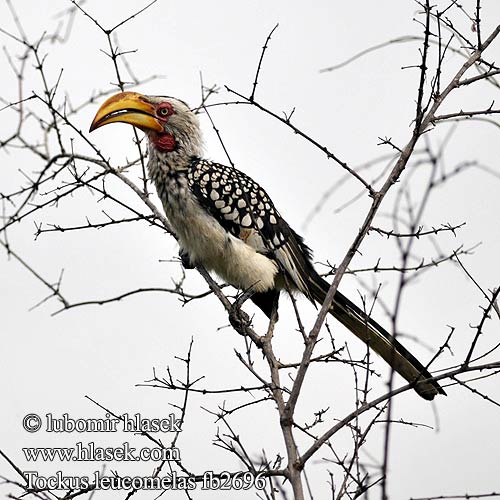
(209, 244)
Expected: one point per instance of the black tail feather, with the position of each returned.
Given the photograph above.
(384, 344)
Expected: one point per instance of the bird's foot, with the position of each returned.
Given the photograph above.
(239, 319)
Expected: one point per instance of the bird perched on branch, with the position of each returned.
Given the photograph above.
(227, 223)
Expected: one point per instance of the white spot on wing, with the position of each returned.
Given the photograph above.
(246, 221)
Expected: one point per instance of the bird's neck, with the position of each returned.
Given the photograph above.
(173, 153)
(174, 149)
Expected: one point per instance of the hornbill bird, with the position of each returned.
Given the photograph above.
(227, 223)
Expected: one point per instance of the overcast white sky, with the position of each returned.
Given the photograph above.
(49, 363)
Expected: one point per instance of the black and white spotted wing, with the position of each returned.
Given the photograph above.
(237, 202)
(245, 210)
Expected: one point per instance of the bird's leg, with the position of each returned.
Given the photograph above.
(267, 301)
(185, 259)
(274, 312)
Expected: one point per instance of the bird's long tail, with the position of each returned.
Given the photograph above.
(378, 339)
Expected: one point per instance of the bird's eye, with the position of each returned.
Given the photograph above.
(165, 110)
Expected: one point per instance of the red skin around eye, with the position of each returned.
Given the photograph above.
(167, 106)
(163, 141)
